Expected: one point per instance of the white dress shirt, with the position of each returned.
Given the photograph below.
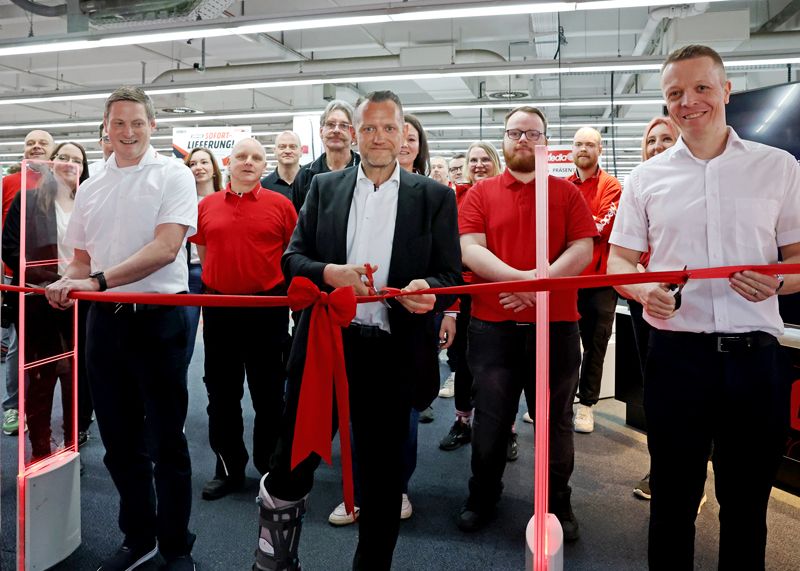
(117, 210)
(737, 208)
(96, 166)
(370, 235)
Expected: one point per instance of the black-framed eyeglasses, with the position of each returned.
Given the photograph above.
(68, 159)
(456, 169)
(532, 134)
(331, 125)
(105, 139)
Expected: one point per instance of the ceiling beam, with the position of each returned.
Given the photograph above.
(779, 19)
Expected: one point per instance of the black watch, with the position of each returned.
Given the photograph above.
(101, 279)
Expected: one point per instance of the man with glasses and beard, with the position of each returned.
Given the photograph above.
(337, 134)
(502, 339)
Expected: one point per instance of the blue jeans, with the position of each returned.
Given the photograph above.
(195, 286)
(12, 368)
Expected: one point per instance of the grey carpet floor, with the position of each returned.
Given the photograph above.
(608, 463)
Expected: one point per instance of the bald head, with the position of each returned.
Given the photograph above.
(247, 162)
(587, 145)
(39, 145)
(288, 149)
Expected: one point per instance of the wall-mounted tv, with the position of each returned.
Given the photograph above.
(771, 115)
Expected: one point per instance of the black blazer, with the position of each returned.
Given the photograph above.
(425, 246)
(42, 239)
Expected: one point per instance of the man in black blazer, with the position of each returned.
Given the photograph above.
(405, 227)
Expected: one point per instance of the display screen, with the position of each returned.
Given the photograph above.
(771, 115)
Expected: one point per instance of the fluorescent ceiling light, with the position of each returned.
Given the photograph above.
(388, 15)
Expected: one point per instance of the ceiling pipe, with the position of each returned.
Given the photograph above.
(39, 10)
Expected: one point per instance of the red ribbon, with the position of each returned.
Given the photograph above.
(324, 367)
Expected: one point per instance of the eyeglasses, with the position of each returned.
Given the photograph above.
(456, 169)
(68, 159)
(105, 139)
(532, 135)
(331, 125)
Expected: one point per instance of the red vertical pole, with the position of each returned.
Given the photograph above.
(542, 452)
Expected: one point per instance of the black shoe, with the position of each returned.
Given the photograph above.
(460, 434)
(512, 449)
(128, 558)
(561, 507)
(470, 519)
(83, 437)
(221, 487)
(182, 563)
(426, 415)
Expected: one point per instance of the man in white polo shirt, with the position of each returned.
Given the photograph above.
(715, 373)
(129, 229)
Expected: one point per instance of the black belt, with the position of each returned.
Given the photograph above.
(131, 308)
(369, 331)
(725, 342)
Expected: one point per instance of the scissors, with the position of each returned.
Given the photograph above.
(369, 281)
(678, 289)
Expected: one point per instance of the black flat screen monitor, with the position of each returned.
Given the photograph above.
(771, 115)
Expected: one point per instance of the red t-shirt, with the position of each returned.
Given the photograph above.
(503, 208)
(12, 185)
(245, 237)
(601, 192)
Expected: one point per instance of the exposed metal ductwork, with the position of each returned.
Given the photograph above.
(41, 10)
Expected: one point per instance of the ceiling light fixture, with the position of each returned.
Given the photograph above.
(355, 17)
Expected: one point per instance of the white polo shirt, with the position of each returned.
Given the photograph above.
(737, 208)
(117, 210)
(370, 236)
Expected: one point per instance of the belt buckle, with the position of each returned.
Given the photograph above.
(726, 344)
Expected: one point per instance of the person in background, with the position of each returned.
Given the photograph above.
(337, 134)
(483, 162)
(659, 135)
(288, 150)
(414, 154)
(596, 305)
(712, 199)
(38, 145)
(48, 209)
(439, 170)
(455, 169)
(105, 146)
(241, 234)
(208, 180)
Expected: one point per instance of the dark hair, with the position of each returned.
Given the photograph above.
(458, 156)
(102, 127)
(378, 97)
(694, 51)
(527, 109)
(422, 162)
(45, 193)
(134, 94)
(216, 177)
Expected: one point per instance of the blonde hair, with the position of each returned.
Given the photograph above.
(490, 150)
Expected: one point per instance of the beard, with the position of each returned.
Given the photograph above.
(519, 163)
(585, 162)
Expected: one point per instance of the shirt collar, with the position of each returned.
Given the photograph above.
(150, 157)
(576, 177)
(363, 177)
(680, 149)
(252, 195)
(510, 181)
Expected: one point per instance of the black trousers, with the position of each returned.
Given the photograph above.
(641, 331)
(597, 307)
(85, 406)
(502, 358)
(463, 376)
(137, 374)
(696, 396)
(238, 341)
(380, 427)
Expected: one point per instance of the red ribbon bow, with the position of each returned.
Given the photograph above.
(324, 372)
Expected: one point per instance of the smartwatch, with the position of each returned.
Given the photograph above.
(101, 279)
(780, 282)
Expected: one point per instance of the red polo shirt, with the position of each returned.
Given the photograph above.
(503, 208)
(601, 192)
(12, 185)
(245, 237)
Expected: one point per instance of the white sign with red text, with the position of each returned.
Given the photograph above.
(559, 160)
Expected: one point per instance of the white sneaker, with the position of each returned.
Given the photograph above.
(405, 510)
(340, 517)
(527, 418)
(449, 388)
(584, 419)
